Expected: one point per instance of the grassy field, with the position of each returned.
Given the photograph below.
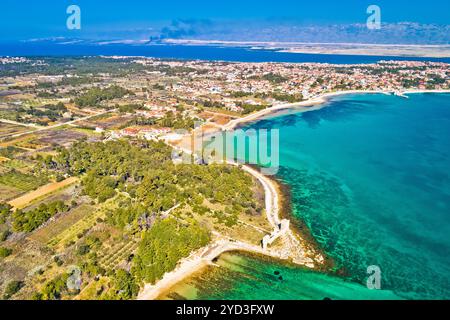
(7, 129)
(30, 144)
(57, 227)
(17, 141)
(88, 132)
(8, 192)
(9, 151)
(72, 233)
(90, 292)
(18, 165)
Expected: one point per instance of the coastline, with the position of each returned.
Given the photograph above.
(204, 256)
(276, 209)
(340, 48)
(215, 265)
(314, 103)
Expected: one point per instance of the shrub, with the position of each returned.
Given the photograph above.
(4, 252)
(12, 288)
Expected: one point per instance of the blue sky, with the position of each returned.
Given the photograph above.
(47, 18)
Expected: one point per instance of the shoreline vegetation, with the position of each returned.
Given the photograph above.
(277, 208)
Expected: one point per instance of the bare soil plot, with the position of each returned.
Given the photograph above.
(109, 123)
(65, 194)
(7, 129)
(24, 200)
(221, 120)
(59, 137)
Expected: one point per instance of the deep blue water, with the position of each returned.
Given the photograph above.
(212, 53)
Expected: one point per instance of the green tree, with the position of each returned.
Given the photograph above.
(5, 211)
(164, 245)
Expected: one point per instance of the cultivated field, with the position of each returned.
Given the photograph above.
(57, 227)
(21, 181)
(26, 199)
(76, 230)
(8, 192)
(7, 129)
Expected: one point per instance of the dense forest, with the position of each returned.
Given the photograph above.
(148, 186)
(82, 66)
(163, 245)
(146, 172)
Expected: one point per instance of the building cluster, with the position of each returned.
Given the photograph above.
(229, 85)
(144, 132)
(187, 88)
(8, 60)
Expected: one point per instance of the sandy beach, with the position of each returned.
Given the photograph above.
(196, 261)
(313, 104)
(342, 48)
(293, 250)
(204, 256)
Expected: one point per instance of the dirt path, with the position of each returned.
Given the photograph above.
(40, 128)
(24, 200)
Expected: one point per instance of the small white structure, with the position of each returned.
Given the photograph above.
(268, 239)
(173, 137)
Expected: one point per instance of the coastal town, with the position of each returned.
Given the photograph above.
(88, 183)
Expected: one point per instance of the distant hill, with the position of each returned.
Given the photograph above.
(279, 31)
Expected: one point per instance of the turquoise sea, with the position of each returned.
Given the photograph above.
(370, 176)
